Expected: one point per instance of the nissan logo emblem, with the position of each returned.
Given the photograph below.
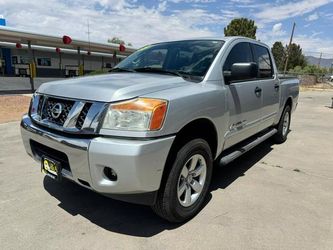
(56, 110)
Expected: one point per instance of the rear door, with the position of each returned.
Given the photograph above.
(244, 98)
(269, 85)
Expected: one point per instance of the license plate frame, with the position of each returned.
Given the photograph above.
(51, 168)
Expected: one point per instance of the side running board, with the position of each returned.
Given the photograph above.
(244, 148)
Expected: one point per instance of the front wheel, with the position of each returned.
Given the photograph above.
(187, 184)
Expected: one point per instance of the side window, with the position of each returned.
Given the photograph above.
(44, 61)
(24, 60)
(14, 60)
(240, 53)
(263, 59)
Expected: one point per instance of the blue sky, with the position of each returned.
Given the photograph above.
(141, 21)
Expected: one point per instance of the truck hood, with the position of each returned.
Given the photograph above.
(111, 87)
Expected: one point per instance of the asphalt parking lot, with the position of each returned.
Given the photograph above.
(274, 197)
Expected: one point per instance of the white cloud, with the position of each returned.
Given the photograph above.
(270, 36)
(280, 12)
(309, 44)
(162, 6)
(277, 31)
(132, 22)
(277, 27)
(242, 1)
(198, 17)
(141, 25)
(192, 1)
(316, 33)
(230, 14)
(312, 17)
(114, 4)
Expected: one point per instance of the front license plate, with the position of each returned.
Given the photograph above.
(51, 168)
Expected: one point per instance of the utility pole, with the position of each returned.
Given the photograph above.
(88, 32)
(318, 66)
(321, 54)
(32, 67)
(89, 49)
(60, 64)
(288, 51)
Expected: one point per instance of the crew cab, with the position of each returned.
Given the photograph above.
(149, 131)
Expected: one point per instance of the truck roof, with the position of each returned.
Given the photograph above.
(222, 38)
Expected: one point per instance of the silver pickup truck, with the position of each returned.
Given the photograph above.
(149, 131)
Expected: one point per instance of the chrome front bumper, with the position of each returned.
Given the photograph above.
(139, 164)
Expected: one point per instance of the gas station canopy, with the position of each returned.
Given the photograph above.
(13, 35)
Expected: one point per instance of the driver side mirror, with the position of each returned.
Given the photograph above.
(241, 71)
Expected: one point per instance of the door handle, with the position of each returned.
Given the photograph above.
(276, 87)
(258, 91)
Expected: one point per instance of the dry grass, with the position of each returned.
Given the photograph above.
(12, 107)
(318, 86)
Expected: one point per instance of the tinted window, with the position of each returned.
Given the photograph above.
(240, 53)
(263, 59)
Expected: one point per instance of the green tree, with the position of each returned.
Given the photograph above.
(296, 57)
(279, 54)
(118, 40)
(310, 70)
(241, 27)
(297, 70)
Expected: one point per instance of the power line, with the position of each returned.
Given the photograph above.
(306, 52)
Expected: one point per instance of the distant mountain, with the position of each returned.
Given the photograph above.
(327, 63)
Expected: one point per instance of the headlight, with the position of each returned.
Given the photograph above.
(140, 114)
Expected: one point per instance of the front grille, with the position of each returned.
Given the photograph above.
(40, 104)
(41, 150)
(49, 105)
(83, 115)
(66, 115)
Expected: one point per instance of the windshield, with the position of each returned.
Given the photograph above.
(191, 58)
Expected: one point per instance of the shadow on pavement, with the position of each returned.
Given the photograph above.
(137, 220)
(226, 175)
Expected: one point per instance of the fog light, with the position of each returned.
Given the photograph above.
(110, 174)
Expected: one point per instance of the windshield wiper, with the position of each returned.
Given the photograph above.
(183, 74)
(161, 71)
(121, 70)
(156, 70)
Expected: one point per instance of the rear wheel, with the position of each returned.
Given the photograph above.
(187, 184)
(283, 126)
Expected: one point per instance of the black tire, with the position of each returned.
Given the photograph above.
(281, 135)
(168, 205)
